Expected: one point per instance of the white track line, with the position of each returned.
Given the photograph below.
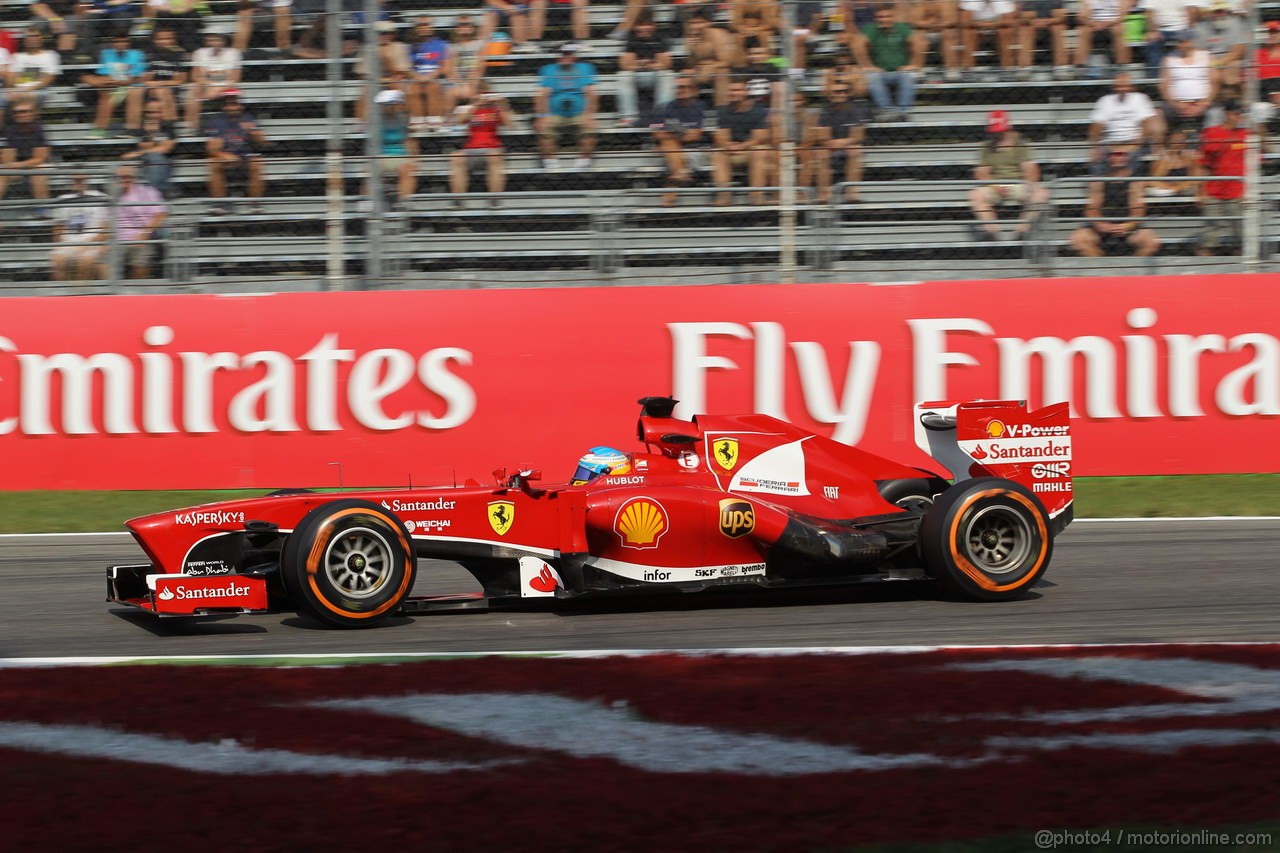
(358, 657)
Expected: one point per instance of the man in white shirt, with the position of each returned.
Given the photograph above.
(1126, 119)
(80, 229)
(998, 19)
(33, 69)
(214, 69)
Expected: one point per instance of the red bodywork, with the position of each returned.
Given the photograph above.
(708, 501)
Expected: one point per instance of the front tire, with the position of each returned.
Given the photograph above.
(349, 564)
(987, 539)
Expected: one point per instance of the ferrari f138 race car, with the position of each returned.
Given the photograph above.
(718, 501)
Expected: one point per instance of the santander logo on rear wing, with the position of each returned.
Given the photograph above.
(1001, 438)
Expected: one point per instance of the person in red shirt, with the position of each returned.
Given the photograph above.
(484, 118)
(1223, 149)
(1267, 61)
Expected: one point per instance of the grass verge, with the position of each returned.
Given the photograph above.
(1096, 497)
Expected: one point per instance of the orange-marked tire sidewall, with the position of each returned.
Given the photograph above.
(318, 594)
(975, 574)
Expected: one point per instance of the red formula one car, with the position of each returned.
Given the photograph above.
(717, 501)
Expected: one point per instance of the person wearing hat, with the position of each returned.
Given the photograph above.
(1225, 35)
(214, 68)
(1223, 150)
(1115, 209)
(566, 102)
(234, 142)
(398, 150)
(1012, 176)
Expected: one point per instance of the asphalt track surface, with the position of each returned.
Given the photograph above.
(1110, 582)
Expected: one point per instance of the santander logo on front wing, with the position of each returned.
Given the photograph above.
(182, 594)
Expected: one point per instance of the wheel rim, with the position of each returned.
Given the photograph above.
(998, 540)
(358, 562)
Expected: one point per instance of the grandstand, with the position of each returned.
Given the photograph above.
(605, 224)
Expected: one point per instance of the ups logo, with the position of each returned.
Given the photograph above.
(737, 518)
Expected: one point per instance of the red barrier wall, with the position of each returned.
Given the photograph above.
(1166, 375)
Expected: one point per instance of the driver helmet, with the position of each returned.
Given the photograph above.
(599, 461)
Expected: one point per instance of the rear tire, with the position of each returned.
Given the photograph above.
(349, 564)
(987, 539)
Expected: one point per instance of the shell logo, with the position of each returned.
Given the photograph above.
(996, 429)
(640, 523)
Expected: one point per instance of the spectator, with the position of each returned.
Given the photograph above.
(214, 69)
(844, 71)
(183, 18)
(80, 230)
(938, 23)
(996, 18)
(25, 149)
(1188, 84)
(109, 17)
(234, 142)
(1101, 22)
(466, 60)
(398, 153)
(1011, 176)
(119, 79)
(513, 16)
(140, 212)
(157, 138)
(807, 25)
(558, 12)
(484, 118)
(754, 22)
(677, 127)
(1224, 35)
(1167, 21)
(67, 20)
(1223, 149)
(1116, 208)
(1122, 118)
(1268, 64)
(429, 68)
(1047, 17)
(32, 70)
(166, 73)
(1176, 161)
(645, 62)
(566, 102)
(277, 11)
(838, 137)
(742, 134)
(762, 76)
(709, 53)
(891, 52)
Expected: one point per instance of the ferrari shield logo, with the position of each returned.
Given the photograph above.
(502, 514)
(725, 452)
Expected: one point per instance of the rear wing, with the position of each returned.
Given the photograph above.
(1001, 438)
